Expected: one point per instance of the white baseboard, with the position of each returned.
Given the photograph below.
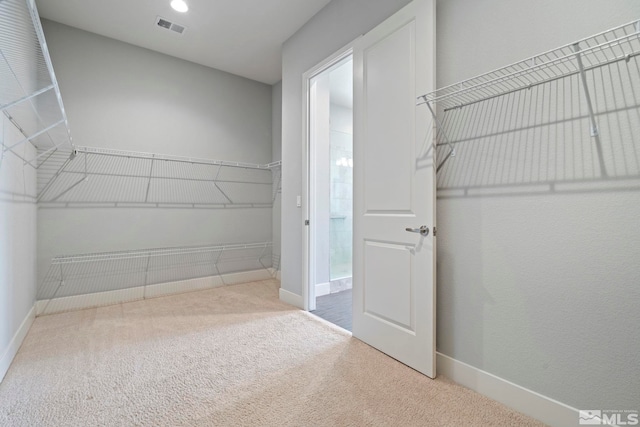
(162, 289)
(100, 299)
(540, 407)
(323, 289)
(291, 298)
(246, 276)
(16, 342)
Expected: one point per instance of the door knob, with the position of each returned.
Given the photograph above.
(423, 230)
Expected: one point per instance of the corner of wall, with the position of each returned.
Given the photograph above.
(291, 298)
(16, 342)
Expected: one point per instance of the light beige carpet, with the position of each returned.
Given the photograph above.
(232, 356)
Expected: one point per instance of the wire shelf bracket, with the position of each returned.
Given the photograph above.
(618, 44)
(440, 127)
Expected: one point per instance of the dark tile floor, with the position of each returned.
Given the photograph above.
(335, 308)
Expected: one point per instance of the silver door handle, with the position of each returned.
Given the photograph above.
(423, 230)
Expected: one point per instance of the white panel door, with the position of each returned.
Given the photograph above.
(394, 188)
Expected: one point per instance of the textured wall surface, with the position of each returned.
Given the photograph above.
(538, 252)
(17, 238)
(276, 154)
(17, 205)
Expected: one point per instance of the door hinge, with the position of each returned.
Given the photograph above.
(306, 222)
(434, 232)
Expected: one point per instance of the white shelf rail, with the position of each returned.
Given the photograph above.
(106, 177)
(618, 44)
(111, 271)
(29, 93)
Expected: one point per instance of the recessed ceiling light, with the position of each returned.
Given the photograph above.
(179, 5)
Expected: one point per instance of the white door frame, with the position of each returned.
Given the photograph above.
(308, 206)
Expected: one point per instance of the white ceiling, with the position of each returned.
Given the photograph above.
(242, 37)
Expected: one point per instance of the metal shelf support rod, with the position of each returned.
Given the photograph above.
(146, 197)
(439, 126)
(585, 87)
(592, 117)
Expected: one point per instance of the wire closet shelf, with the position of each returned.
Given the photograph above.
(106, 177)
(29, 93)
(92, 273)
(618, 44)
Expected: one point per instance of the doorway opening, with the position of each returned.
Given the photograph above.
(331, 192)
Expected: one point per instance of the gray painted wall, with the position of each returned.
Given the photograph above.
(540, 288)
(339, 23)
(276, 154)
(124, 97)
(121, 96)
(17, 211)
(276, 118)
(17, 239)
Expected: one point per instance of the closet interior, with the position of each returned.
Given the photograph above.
(557, 121)
(68, 176)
